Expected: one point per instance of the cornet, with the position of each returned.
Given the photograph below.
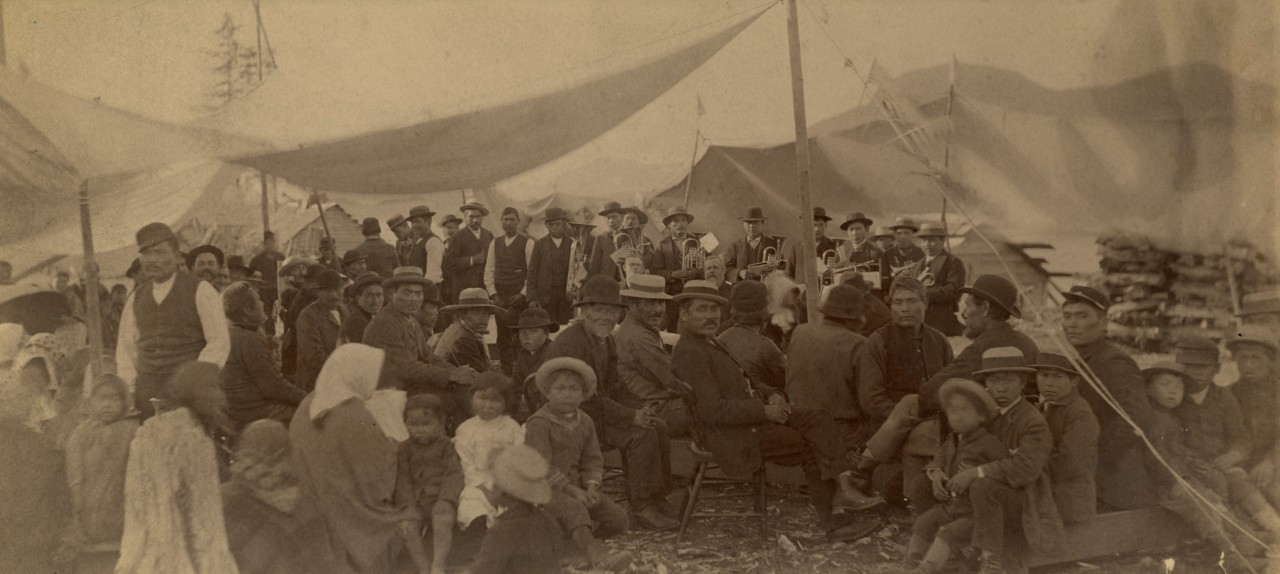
(693, 254)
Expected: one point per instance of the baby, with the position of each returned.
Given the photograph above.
(478, 439)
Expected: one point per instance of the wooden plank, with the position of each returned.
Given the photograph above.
(1116, 533)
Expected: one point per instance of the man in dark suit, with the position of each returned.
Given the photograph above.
(547, 285)
(751, 248)
(427, 251)
(824, 245)
(943, 275)
(668, 261)
(600, 260)
(318, 327)
(380, 256)
(465, 258)
(463, 342)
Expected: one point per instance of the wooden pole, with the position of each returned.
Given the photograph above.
(693, 160)
(266, 201)
(258, 13)
(320, 207)
(92, 302)
(1231, 284)
(808, 245)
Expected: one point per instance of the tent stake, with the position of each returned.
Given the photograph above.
(808, 245)
(92, 302)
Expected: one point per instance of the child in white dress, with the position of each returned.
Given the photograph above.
(478, 439)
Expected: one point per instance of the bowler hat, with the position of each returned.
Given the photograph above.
(856, 217)
(676, 211)
(420, 211)
(154, 234)
(472, 298)
(396, 221)
(1260, 303)
(364, 280)
(522, 473)
(1088, 296)
(352, 256)
(701, 289)
(217, 254)
(1196, 351)
(1003, 360)
(978, 396)
(753, 214)
(844, 301)
(1251, 335)
(640, 214)
(328, 279)
(1169, 367)
(904, 223)
(1054, 362)
(882, 231)
(450, 218)
(611, 207)
(646, 287)
(312, 278)
(555, 214)
(370, 226)
(820, 214)
(293, 262)
(599, 289)
(536, 318)
(997, 290)
(474, 206)
(931, 229)
(237, 262)
(552, 366)
(749, 296)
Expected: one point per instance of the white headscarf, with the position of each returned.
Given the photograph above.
(351, 372)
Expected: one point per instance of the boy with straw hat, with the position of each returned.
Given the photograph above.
(523, 538)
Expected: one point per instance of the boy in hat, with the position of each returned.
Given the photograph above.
(566, 437)
(463, 342)
(943, 274)
(1254, 349)
(1074, 459)
(644, 367)
(946, 522)
(380, 256)
(318, 327)
(523, 537)
(861, 248)
(427, 251)
(668, 260)
(354, 263)
(450, 224)
(506, 278)
(547, 285)
(366, 297)
(753, 247)
(822, 362)
(534, 331)
(171, 318)
(904, 253)
(468, 252)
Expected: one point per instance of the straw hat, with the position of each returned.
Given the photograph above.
(1003, 360)
(474, 206)
(701, 289)
(904, 223)
(646, 287)
(408, 274)
(1251, 335)
(472, 298)
(931, 229)
(971, 391)
(552, 366)
(521, 472)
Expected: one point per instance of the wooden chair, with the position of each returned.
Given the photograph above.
(704, 462)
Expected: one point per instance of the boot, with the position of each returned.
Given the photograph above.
(650, 518)
(851, 497)
(851, 530)
(935, 558)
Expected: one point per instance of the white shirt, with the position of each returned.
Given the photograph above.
(1004, 410)
(213, 321)
(490, 265)
(435, 257)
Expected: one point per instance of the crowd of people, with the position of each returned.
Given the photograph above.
(345, 414)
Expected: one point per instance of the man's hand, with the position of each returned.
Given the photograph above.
(1226, 461)
(742, 274)
(777, 413)
(479, 259)
(1263, 473)
(593, 494)
(780, 400)
(645, 417)
(517, 301)
(464, 375)
(959, 484)
(939, 480)
(578, 494)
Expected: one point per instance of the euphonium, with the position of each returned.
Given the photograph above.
(693, 254)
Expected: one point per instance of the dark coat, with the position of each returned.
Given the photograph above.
(462, 264)
(667, 258)
(1124, 480)
(380, 256)
(822, 371)
(1214, 427)
(317, 337)
(545, 270)
(1027, 435)
(599, 261)
(886, 374)
(944, 294)
(354, 325)
(612, 405)
(462, 347)
(739, 255)
(758, 356)
(728, 407)
(1073, 462)
(970, 360)
(411, 362)
(265, 540)
(252, 381)
(523, 540)
(796, 264)
(1261, 410)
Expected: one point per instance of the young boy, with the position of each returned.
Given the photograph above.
(949, 525)
(429, 476)
(566, 437)
(534, 331)
(1073, 462)
(523, 538)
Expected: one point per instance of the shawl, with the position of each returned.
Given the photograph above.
(351, 372)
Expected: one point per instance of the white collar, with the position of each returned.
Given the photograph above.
(1004, 410)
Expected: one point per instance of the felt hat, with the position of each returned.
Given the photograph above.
(1260, 303)
(1054, 362)
(370, 226)
(294, 262)
(364, 280)
(675, 211)
(882, 231)
(327, 241)
(998, 290)
(749, 296)
(856, 217)
(931, 229)
(1196, 351)
(904, 223)
(844, 301)
(701, 289)
(536, 318)
(327, 278)
(352, 256)
(972, 392)
(407, 274)
(396, 221)
(1088, 296)
(551, 366)
(200, 250)
(611, 207)
(820, 214)
(646, 287)
(154, 234)
(237, 262)
(599, 289)
(474, 206)
(640, 214)
(753, 214)
(522, 473)
(420, 211)
(1163, 367)
(472, 298)
(1251, 335)
(1003, 360)
(311, 279)
(450, 218)
(555, 214)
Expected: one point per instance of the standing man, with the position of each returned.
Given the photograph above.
(403, 231)
(450, 223)
(1123, 478)
(318, 327)
(427, 252)
(600, 261)
(380, 256)
(547, 285)
(943, 274)
(506, 278)
(329, 254)
(644, 367)
(822, 361)
(172, 318)
(859, 250)
(205, 262)
(751, 248)
(824, 246)
(904, 252)
(668, 261)
(468, 251)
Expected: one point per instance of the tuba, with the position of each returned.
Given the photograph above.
(693, 254)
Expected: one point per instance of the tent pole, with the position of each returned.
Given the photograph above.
(1231, 284)
(92, 301)
(320, 207)
(266, 210)
(693, 160)
(808, 246)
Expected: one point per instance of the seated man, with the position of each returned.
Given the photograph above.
(821, 362)
(644, 367)
(761, 359)
(251, 377)
(745, 425)
(1254, 348)
(1074, 459)
(463, 342)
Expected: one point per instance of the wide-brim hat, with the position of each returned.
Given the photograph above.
(550, 366)
(294, 262)
(998, 290)
(931, 229)
(522, 473)
(202, 249)
(420, 211)
(449, 219)
(1055, 362)
(1088, 296)
(154, 234)
(675, 211)
(555, 214)
(1251, 335)
(882, 231)
(472, 298)
(753, 214)
(408, 274)
(396, 221)
(599, 289)
(1004, 360)
(905, 223)
(978, 396)
(1165, 367)
(237, 262)
(364, 280)
(701, 289)
(646, 287)
(820, 214)
(844, 301)
(856, 217)
(1196, 351)
(611, 207)
(321, 277)
(352, 256)
(640, 214)
(535, 318)
(1260, 303)
(474, 206)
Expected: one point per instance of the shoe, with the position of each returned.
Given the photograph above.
(852, 531)
(650, 518)
(851, 497)
(668, 507)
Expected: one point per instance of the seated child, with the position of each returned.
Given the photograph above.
(477, 440)
(1073, 463)
(534, 330)
(566, 437)
(429, 477)
(97, 455)
(523, 537)
(968, 406)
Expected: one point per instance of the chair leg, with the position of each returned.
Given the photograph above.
(762, 506)
(687, 516)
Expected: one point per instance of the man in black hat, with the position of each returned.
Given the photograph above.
(380, 256)
(904, 253)
(670, 258)
(328, 255)
(403, 230)
(462, 343)
(427, 251)
(752, 248)
(600, 261)
(826, 248)
(468, 252)
(506, 278)
(205, 262)
(265, 262)
(622, 420)
(761, 359)
(859, 249)
(365, 295)
(354, 263)
(943, 274)
(318, 327)
(237, 270)
(172, 318)
(547, 284)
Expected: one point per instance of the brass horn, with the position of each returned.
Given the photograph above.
(694, 255)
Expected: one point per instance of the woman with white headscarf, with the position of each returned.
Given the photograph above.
(346, 459)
